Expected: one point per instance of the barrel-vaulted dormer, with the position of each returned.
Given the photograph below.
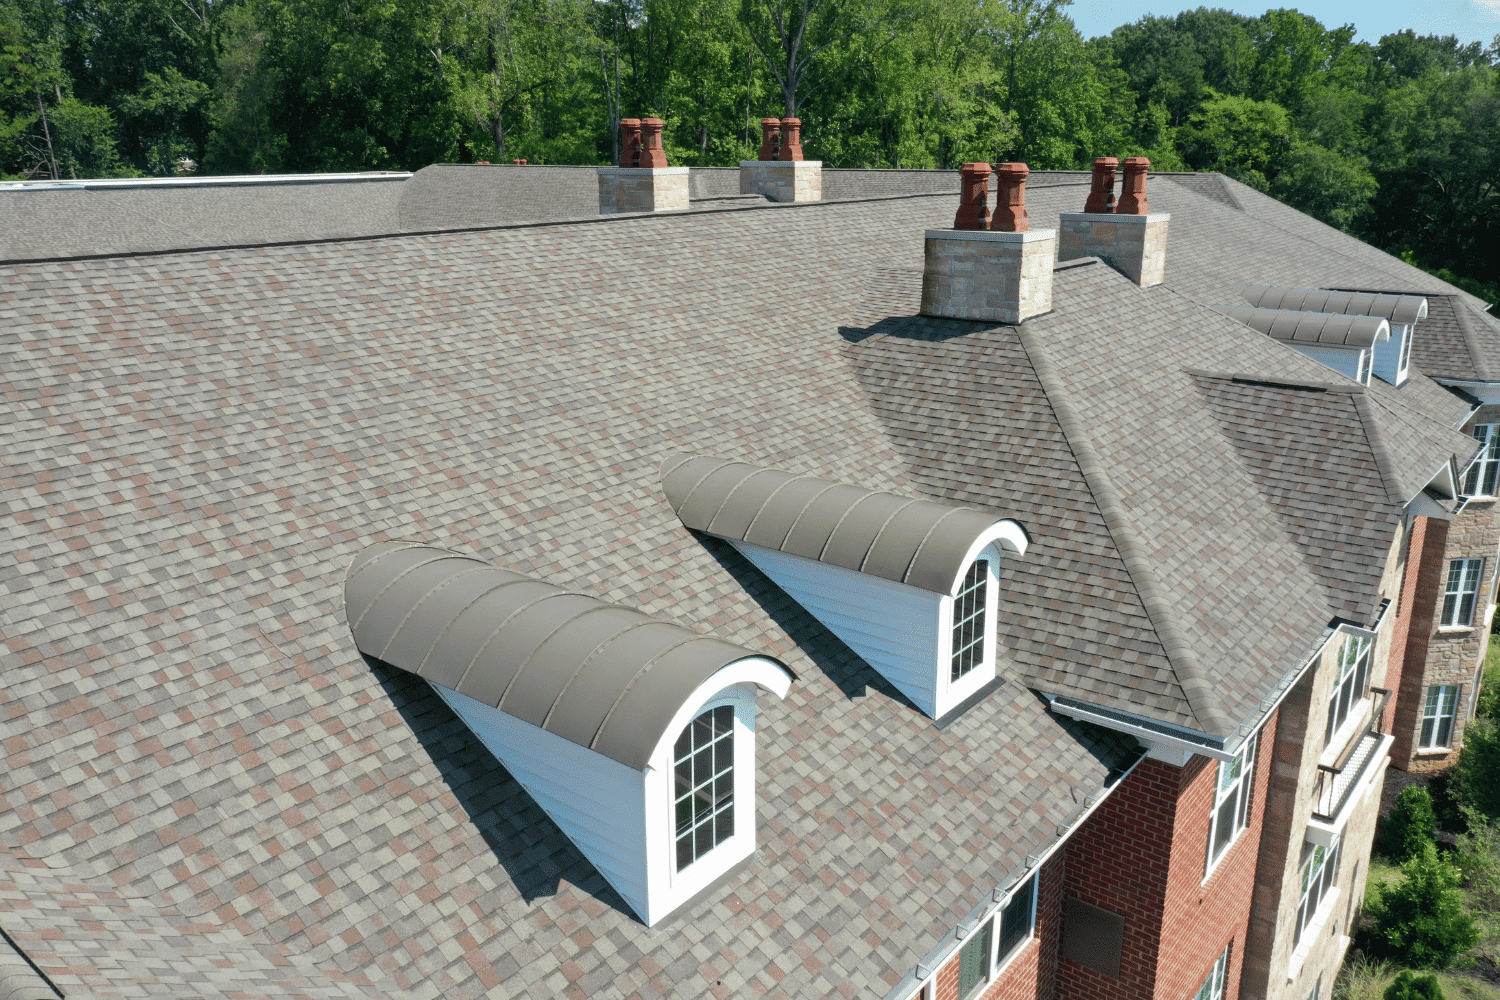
(635, 735)
(910, 585)
(1346, 343)
(1390, 356)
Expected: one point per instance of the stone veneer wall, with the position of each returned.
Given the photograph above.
(1134, 245)
(631, 189)
(993, 277)
(1456, 655)
(783, 182)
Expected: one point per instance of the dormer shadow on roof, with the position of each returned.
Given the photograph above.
(912, 586)
(635, 735)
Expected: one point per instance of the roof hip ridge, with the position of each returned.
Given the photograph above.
(1186, 666)
(1471, 338)
(1385, 461)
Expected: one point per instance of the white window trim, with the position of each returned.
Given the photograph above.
(1242, 810)
(1366, 366)
(1491, 442)
(1452, 716)
(951, 693)
(1464, 576)
(1000, 962)
(994, 963)
(1219, 972)
(1352, 650)
(1403, 359)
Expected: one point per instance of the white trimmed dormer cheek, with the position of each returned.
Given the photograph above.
(1393, 356)
(905, 633)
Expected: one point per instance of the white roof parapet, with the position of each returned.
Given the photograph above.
(1393, 308)
(1356, 332)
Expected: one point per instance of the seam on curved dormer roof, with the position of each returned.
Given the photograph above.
(1394, 307)
(1187, 668)
(601, 675)
(907, 540)
(1320, 329)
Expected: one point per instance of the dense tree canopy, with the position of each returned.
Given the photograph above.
(1397, 141)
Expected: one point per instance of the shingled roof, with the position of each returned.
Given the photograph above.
(202, 442)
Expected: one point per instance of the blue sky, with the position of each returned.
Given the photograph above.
(1470, 20)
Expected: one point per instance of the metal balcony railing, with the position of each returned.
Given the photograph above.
(1336, 781)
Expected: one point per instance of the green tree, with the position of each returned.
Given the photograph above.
(1333, 187)
(1477, 855)
(1412, 987)
(1408, 828)
(1475, 779)
(242, 140)
(1244, 138)
(1420, 920)
(84, 140)
(169, 117)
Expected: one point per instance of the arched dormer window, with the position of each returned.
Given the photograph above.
(703, 767)
(591, 707)
(969, 631)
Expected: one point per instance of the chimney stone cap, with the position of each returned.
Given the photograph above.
(641, 171)
(993, 235)
(1139, 220)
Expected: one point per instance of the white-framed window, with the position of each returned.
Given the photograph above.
(969, 621)
(985, 954)
(1408, 335)
(1462, 591)
(1483, 473)
(1232, 793)
(1437, 715)
(704, 797)
(1354, 673)
(1366, 362)
(1318, 872)
(1213, 986)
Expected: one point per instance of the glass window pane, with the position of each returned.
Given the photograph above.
(1224, 827)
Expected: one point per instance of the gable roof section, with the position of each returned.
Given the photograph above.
(916, 542)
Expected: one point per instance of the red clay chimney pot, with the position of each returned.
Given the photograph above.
(652, 155)
(770, 138)
(1102, 194)
(1010, 199)
(1133, 191)
(791, 139)
(974, 197)
(630, 141)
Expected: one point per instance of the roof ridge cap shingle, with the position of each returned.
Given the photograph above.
(1471, 338)
(1191, 676)
(1396, 491)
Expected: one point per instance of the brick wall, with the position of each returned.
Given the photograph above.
(1421, 591)
(1031, 972)
(1142, 853)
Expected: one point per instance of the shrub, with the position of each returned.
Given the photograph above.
(1420, 921)
(1477, 855)
(1475, 779)
(1410, 987)
(1410, 824)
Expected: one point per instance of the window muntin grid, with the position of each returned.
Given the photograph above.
(1231, 810)
(1483, 473)
(1354, 673)
(1462, 591)
(1318, 872)
(974, 962)
(1438, 714)
(968, 621)
(1016, 920)
(704, 765)
(1213, 986)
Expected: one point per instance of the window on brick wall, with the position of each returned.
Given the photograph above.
(1317, 878)
(1354, 673)
(1437, 715)
(1232, 792)
(974, 962)
(1462, 591)
(1017, 919)
(1213, 986)
(1484, 471)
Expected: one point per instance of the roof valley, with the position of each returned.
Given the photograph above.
(1184, 661)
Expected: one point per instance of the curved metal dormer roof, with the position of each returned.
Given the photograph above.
(605, 677)
(1319, 329)
(1392, 308)
(916, 542)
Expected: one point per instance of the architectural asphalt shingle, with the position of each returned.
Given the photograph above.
(200, 763)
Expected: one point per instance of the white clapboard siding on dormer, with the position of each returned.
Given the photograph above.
(1388, 354)
(1345, 362)
(893, 627)
(597, 802)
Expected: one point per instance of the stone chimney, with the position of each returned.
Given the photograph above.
(974, 197)
(770, 139)
(1129, 238)
(630, 141)
(781, 174)
(791, 140)
(1002, 274)
(642, 182)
